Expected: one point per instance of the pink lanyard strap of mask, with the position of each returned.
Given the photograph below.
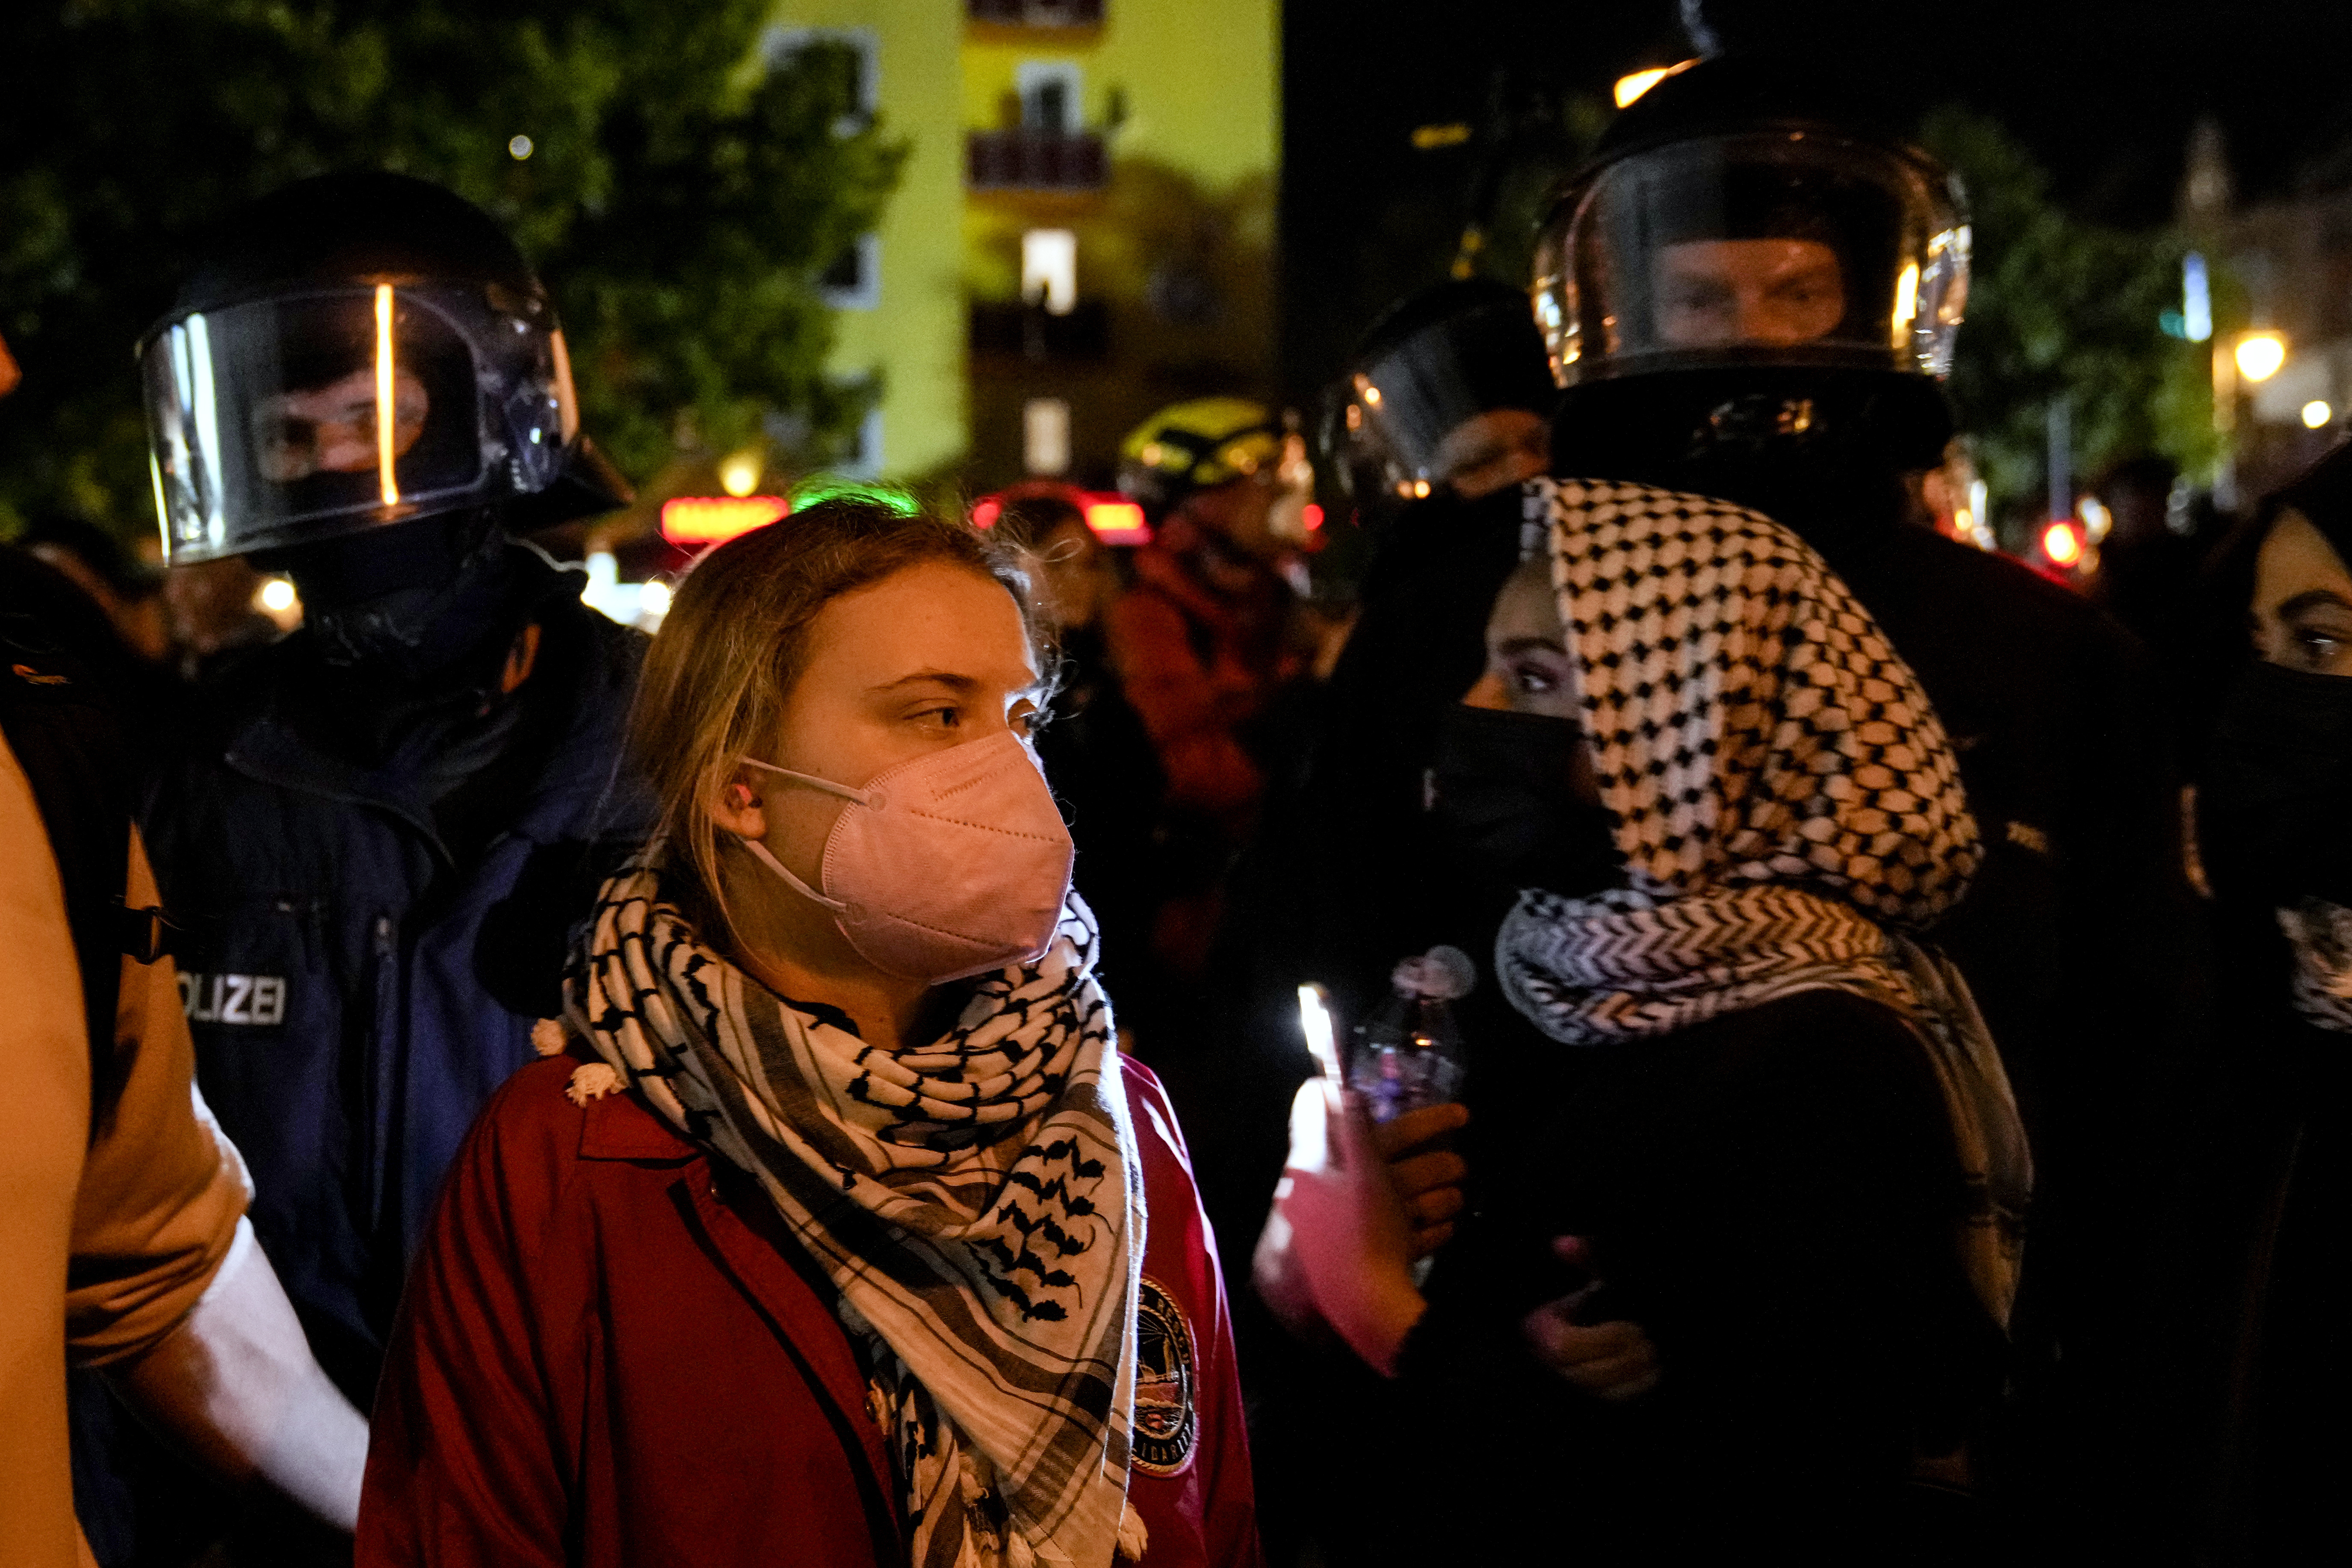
(759, 850)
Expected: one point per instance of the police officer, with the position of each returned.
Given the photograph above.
(1449, 391)
(383, 826)
(1751, 291)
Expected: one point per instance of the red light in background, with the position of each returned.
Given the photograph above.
(714, 520)
(1314, 517)
(1114, 519)
(1117, 520)
(2062, 544)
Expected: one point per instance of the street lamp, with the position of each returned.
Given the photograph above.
(2259, 355)
(2247, 358)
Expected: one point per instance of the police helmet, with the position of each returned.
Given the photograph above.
(1187, 447)
(358, 351)
(1434, 360)
(1748, 211)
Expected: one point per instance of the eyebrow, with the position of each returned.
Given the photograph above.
(930, 677)
(960, 684)
(2313, 599)
(1510, 646)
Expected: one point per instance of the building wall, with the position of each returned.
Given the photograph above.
(1202, 80)
(914, 332)
(1175, 251)
(1177, 248)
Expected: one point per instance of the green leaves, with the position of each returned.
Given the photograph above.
(2061, 307)
(679, 199)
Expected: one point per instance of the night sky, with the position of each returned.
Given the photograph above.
(2103, 91)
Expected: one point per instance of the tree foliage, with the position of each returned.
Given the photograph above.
(2058, 307)
(679, 197)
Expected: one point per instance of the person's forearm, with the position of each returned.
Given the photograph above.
(235, 1383)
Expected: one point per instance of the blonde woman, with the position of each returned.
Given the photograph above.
(835, 1229)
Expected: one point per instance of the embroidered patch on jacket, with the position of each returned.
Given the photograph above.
(1167, 1418)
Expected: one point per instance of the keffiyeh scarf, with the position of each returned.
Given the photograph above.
(978, 1201)
(2320, 935)
(1785, 804)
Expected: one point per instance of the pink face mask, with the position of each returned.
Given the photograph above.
(954, 864)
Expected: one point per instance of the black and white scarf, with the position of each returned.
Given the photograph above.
(2319, 935)
(979, 1202)
(1785, 803)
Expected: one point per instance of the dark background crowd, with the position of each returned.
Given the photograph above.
(376, 768)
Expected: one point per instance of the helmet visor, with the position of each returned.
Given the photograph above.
(1416, 393)
(1755, 247)
(282, 420)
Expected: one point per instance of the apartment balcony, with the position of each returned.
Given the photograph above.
(1024, 160)
(1034, 13)
(1010, 329)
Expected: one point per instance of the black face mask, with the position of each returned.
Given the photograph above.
(1503, 804)
(1824, 453)
(2275, 811)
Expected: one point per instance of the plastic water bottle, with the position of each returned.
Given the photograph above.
(1410, 1054)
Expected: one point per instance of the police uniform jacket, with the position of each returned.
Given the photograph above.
(357, 989)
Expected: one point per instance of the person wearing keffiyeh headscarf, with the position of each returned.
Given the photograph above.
(1764, 1111)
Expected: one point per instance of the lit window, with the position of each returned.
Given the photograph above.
(854, 281)
(1049, 269)
(1045, 435)
(1049, 95)
(850, 56)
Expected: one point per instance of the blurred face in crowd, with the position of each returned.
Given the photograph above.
(1241, 512)
(2302, 600)
(1495, 451)
(1717, 293)
(1074, 576)
(210, 603)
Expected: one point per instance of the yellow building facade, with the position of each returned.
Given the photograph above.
(1083, 231)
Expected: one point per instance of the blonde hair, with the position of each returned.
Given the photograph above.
(736, 640)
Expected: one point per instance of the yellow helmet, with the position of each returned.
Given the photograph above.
(1196, 446)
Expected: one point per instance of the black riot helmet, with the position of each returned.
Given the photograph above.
(1753, 271)
(358, 351)
(1434, 361)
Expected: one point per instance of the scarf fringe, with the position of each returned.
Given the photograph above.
(1134, 1540)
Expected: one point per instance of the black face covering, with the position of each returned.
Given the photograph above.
(2275, 812)
(1504, 805)
(413, 626)
(1824, 453)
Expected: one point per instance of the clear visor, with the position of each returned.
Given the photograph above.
(288, 419)
(1762, 247)
(1411, 412)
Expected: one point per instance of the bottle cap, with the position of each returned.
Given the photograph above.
(1441, 974)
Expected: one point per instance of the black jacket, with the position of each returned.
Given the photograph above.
(356, 986)
(1773, 1196)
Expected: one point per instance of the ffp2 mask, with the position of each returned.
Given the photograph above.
(951, 865)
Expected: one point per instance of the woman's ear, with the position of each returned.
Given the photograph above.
(738, 809)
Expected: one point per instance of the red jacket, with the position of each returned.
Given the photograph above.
(612, 1353)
